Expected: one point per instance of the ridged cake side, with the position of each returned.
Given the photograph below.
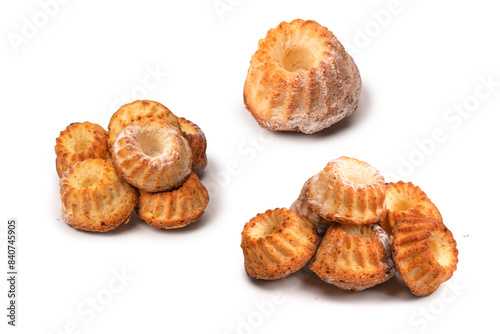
(425, 254)
(94, 197)
(176, 208)
(354, 257)
(197, 141)
(348, 191)
(301, 79)
(406, 200)
(152, 155)
(135, 111)
(78, 142)
(277, 243)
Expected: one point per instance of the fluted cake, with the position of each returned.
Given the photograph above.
(348, 191)
(152, 155)
(176, 208)
(277, 243)
(301, 79)
(354, 257)
(425, 253)
(94, 197)
(78, 142)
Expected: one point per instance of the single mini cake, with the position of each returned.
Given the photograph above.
(425, 253)
(197, 142)
(176, 208)
(277, 243)
(301, 79)
(135, 111)
(152, 155)
(348, 191)
(80, 141)
(354, 257)
(94, 197)
(406, 200)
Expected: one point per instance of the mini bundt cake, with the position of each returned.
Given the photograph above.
(301, 79)
(302, 207)
(80, 141)
(425, 253)
(152, 155)
(135, 111)
(277, 243)
(176, 208)
(348, 191)
(94, 197)
(406, 200)
(197, 142)
(354, 257)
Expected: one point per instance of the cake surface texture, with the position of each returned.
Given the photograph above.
(301, 79)
(152, 155)
(354, 257)
(348, 191)
(302, 207)
(135, 111)
(94, 197)
(277, 243)
(176, 208)
(406, 200)
(78, 142)
(425, 253)
(197, 142)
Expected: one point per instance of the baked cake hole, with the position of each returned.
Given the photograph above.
(360, 231)
(399, 202)
(402, 205)
(188, 128)
(150, 144)
(298, 60)
(81, 144)
(267, 227)
(439, 248)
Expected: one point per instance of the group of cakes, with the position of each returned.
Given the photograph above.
(145, 161)
(370, 230)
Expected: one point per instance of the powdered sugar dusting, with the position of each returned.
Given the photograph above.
(302, 207)
(315, 99)
(384, 239)
(168, 167)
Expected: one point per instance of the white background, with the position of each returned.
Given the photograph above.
(417, 64)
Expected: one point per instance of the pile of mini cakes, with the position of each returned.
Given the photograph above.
(145, 161)
(370, 230)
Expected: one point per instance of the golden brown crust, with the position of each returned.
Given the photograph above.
(197, 141)
(152, 155)
(94, 198)
(176, 208)
(406, 200)
(301, 79)
(277, 243)
(78, 142)
(354, 257)
(348, 191)
(424, 252)
(135, 111)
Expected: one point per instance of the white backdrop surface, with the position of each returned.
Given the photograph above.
(428, 113)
